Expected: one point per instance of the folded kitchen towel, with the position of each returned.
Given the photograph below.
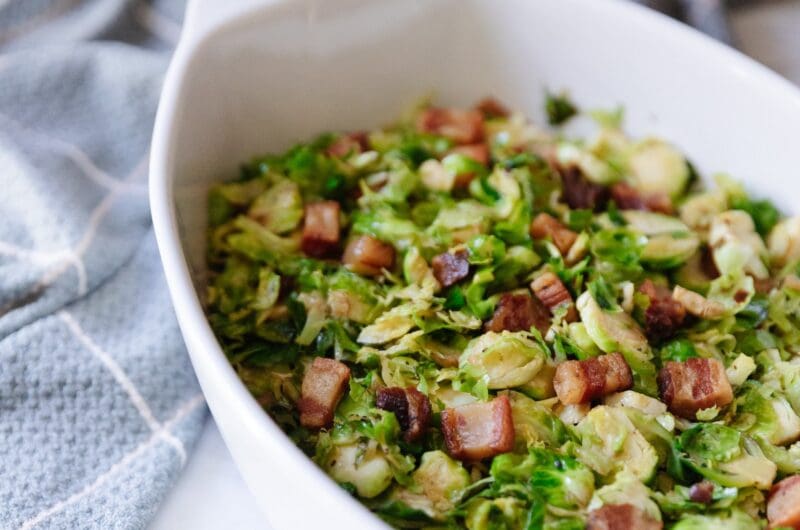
(98, 402)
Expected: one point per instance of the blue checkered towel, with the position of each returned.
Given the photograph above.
(98, 402)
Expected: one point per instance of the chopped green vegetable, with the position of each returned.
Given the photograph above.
(559, 108)
(398, 303)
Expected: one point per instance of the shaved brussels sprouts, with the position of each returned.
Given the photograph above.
(366, 470)
(581, 337)
(616, 331)
(611, 443)
(562, 481)
(733, 520)
(669, 241)
(655, 166)
(740, 369)
(784, 242)
(435, 485)
(736, 244)
(541, 386)
(692, 275)
(404, 303)
(485, 514)
(635, 400)
(316, 310)
(503, 360)
(258, 242)
(417, 271)
(435, 175)
(715, 452)
(593, 167)
(535, 423)
(747, 470)
(699, 211)
(387, 327)
(771, 414)
(280, 208)
(627, 488)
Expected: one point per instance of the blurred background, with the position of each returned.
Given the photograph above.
(767, 30)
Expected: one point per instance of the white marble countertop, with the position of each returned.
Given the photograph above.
(212, 495)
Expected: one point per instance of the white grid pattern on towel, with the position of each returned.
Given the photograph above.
(182, 411)
(61, 260)
(56, 262)
(124, 381)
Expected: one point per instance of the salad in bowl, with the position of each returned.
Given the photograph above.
(470, 320)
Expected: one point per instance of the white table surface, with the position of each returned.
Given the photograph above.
(212, 495)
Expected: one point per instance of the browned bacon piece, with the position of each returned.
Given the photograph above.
(695, 384)
(491, 108)
(702, 492)
(518, 312)
(348, 143)
(707, 263)
(621, 517)
(461, 126)
(578, 192)
(783, 506)
(477, 152)
(764, 285)
(478, 430)
(545, 226)
(664, 315)
(323, 386)
(321, 229)
(627, 197)
(411, 407)
(584, 381)
(368, 256)
(451, 267)
(553, 294)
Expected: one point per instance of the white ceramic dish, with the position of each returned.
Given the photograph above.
(255, 76)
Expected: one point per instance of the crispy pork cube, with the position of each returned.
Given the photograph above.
(477, 152)
(621, 517)
(664, 315)
(627, 197)
(518, 312)
(491, 108)
(765, 285)
(584, 381)
(693, 385)
(552, 292)
(478, 430)
(411, 407)
(461, 126)
(368, 256)
(450, 268)
(702, 492)
(323, 386)
(783, 505)
(347, 144)
(321, 229)
(579, 192)
(545, 226)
